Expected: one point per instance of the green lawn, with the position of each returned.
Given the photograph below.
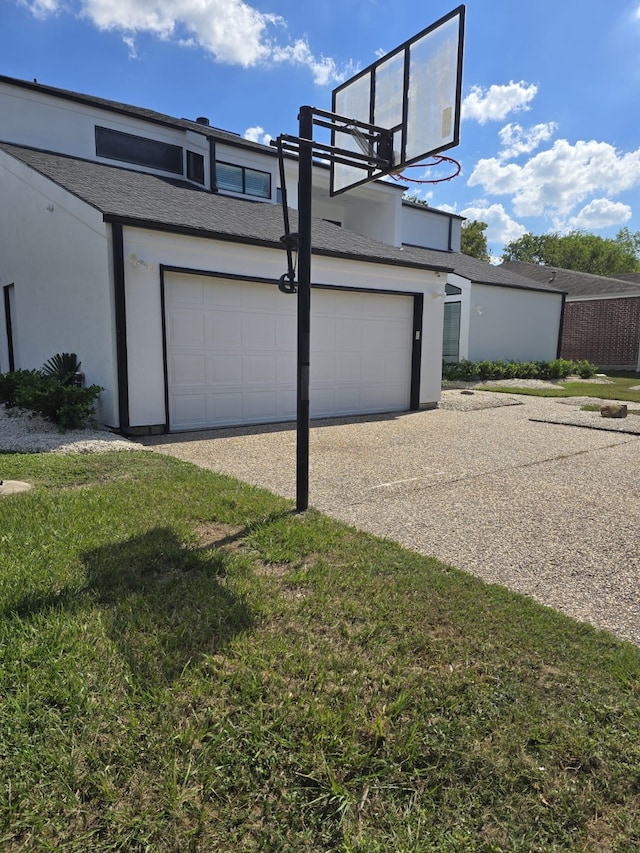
(618, 388)
(188, 665)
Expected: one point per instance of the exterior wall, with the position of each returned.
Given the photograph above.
(430, 229)
(144, 309)
(606, 332)
(40, 120)
(55, 250)
(510, 324)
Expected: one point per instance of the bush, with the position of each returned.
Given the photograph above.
(18, 388)
(558, 368)
(50, 393)
(584, 369)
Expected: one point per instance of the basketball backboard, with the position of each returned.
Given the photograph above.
(414, 91)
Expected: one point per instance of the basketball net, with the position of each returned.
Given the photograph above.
(436, 160)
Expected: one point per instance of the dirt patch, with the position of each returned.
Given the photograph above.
(213, 534)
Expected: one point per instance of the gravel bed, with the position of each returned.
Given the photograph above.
(21, 432)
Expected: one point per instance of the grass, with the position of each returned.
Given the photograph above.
(187, 665)
(618, 388)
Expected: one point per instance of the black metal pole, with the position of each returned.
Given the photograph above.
(305, 179)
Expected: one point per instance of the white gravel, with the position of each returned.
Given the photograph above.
(21, 432)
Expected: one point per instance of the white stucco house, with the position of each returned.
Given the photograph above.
(150, 246)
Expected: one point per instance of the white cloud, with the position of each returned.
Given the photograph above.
(501, 227)
(257, 134)
(555, 181)
(496, 102)
(324, 69)
(41, 8)
(637, 13)
(516, 140)
(599, 213)
(232, 31)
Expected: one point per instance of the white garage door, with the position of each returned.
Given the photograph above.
(231, 352)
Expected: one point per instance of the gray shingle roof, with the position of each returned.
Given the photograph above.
(572, 282)
(630, 276)
(151, 200)
(481, 272)
(147, 200)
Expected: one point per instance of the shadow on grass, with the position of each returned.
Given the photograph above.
(162, 604)
(167, 604)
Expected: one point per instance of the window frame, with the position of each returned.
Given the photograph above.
(243, 175)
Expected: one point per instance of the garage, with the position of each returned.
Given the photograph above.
(230, 349)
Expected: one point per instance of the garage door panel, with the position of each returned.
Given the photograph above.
(224, 329)
(259, 332)
(224, 369)
(257, 369)
(187, 370)
(231, 352)
(186, 328)
(188, 408)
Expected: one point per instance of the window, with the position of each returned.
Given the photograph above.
(452, 290)
(240, 179)
(138, 150)
(451, 335)
(195, 167)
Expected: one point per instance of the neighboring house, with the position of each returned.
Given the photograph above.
(150, 246)
(602, 315)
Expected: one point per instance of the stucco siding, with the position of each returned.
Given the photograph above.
(55, 251)
(513, 324)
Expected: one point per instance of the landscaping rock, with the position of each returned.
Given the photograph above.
(13, 487)
(614, 410)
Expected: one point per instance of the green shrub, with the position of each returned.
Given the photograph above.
(557, 368)
(18, 388)
(66, 405)
(50, 392)
(584, 369)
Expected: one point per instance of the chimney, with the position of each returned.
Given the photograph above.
(203, 120)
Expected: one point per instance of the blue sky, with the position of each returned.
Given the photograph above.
(550, 137)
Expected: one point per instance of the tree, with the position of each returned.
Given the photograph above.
(580, 251)
(474, 240)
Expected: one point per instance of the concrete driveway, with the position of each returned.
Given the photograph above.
(509, 489)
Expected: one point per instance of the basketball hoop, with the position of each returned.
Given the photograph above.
(436, 160)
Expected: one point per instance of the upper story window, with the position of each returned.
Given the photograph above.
(452, 290)
(195, 167)
(138, 150)
(241, 179)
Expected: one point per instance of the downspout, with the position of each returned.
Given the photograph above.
(122, 365)
(560, 329)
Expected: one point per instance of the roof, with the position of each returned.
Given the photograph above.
(630, 276)
(574, 283)
(148, 201)
(152, 201)
(481, 272)
(418, 205)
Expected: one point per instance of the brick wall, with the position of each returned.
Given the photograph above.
(604, 331)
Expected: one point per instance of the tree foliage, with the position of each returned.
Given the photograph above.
(474, 240)
(580, 251)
